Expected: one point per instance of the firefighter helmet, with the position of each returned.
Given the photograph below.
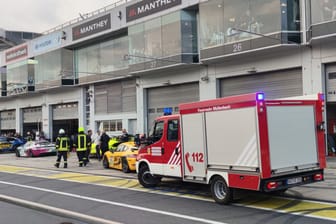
(80, 129)
(61, 131)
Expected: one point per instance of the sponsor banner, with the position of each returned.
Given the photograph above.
(48, 42)
(16, 53)
(148, 7)
(91, 27)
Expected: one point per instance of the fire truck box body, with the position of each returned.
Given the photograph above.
(245, 142)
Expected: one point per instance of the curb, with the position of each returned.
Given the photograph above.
(55, 211)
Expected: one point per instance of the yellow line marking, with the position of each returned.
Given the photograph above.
(294, 206)
(13, 169)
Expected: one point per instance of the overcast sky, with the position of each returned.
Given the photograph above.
(42, 15)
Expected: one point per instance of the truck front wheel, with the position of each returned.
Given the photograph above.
(220, 192)
(146, 179)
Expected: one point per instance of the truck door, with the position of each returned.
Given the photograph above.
(194, 146)
(172, 149)
(156, 149)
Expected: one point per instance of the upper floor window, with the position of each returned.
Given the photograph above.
(225, 21)
(102, 58)
(323, 10)
(166, 38)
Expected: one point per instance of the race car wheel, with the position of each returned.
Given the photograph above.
(220, 192)
(30, 153)
(125, 167)
(146, 179)
(105, 163)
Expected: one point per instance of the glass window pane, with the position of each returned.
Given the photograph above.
(153, 43)
(136, 35)
(119, 125)
(265, 16)
(67, 58)
(87, 60)
(323, 10)
(212, 23)
(17, 78)
(106, 125)
(291, 12)
(112, 54)
(48, 67)
(171, 34)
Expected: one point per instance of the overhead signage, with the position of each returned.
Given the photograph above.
(48, 42)
(148, 7)
(16, 53)
(92, 27)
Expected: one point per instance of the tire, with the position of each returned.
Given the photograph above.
(220, 192)
(14, 148)
(17, 153)
(124, 165)
(30, 154)
(146, 179)
(106, 164)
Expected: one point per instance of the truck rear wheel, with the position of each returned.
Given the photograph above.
(220, 192)
(146, 179)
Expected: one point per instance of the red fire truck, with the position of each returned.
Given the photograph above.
(238, 142)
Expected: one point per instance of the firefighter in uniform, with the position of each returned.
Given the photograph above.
(81, 143)
(62, 146)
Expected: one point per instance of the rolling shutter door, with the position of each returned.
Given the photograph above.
(170, 96)
(65, 111)
(8, 119)
(277, 84)
(32, 115)
(116, 97)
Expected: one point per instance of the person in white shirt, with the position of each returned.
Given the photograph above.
(96, 141)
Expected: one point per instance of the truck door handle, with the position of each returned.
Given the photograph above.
(162, 151)
(176, 151)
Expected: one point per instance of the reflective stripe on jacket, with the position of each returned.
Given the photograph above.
(62, 143)
(81, 142)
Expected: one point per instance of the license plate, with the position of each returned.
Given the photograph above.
(294, 180)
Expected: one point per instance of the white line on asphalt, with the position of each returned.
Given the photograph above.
(55, 211)
(116, 203)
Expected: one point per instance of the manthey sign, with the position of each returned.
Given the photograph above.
(148, 7)
(16, 53)
(91, 27)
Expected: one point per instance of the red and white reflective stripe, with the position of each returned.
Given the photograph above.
(175, 159)
(156, 151)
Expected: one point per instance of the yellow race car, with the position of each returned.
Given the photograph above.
(112, 144)
(122, 158)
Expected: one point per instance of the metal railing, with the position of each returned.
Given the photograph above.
(86, 16)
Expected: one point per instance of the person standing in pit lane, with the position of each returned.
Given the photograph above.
(81, 143)
(62, 146)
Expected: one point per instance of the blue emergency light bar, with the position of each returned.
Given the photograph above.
(260, 96)
(321, 95)
(167, 111)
